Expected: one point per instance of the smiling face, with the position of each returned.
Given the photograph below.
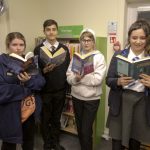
(138, 37)
(137, 41)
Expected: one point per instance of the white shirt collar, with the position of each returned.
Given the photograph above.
(132, 55)
(48, 45)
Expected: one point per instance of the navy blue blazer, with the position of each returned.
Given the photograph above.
(115, 94)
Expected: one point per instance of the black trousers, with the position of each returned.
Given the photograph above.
(8, 146)
(28, 136)
(28, 133)
(85, 113)
(133, 145)
(51, 112)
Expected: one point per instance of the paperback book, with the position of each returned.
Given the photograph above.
(133, 68)
(83, 64)
(57, 58)
(27, 64)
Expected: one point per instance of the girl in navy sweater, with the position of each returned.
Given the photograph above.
(13, 89)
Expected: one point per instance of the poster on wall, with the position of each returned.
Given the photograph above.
(70, 31)
(112, 31)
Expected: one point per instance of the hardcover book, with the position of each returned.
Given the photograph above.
(27, 64)
(57, 58)
(83, 64)
(133, 68)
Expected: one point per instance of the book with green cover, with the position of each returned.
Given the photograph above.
(131, 68)
(83, 64)
(57, 58)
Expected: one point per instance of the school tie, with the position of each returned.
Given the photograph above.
(135, 58)
(53, 48)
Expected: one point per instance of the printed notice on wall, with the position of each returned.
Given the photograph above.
(112, 28)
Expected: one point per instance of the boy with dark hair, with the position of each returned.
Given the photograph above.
(54, 92)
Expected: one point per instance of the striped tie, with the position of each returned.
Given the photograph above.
(135, 58)
(53, 48)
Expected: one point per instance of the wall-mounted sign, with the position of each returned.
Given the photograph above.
(70, 31)
(112, 28)
(112, 39)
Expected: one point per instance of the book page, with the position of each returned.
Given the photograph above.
(29, 55)
(122, 67)
(58, 52)
(31, 66)
(44, 57)
(17, 56)
(59, 59)
(123, 58)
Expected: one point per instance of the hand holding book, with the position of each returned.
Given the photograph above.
(18, 64)
(83, 64)
(145, 80)
(49, 67)
(24, 77)
(123, 81)
(132, 68)
(78, 77)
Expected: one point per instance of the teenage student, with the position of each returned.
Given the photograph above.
(87, 89)
(129, 115)
(13, 89)
(54, 92)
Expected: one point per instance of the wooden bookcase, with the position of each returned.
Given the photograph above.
(68, 118)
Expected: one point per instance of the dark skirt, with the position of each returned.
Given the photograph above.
(131, 122)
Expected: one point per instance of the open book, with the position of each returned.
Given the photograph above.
(27, 64)
(57, 58)
(133, 68)
(83, 64)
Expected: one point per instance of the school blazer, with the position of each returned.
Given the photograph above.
(115, 94)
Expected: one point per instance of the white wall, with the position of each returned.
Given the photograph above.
(24, 16)
(27, 16)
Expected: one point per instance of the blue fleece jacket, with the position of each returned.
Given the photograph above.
(11, 94)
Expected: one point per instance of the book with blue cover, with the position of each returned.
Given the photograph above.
(27, 64)
(83, 64)
(131, 68)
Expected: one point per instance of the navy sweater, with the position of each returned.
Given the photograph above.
(56, 79)
(11, 94)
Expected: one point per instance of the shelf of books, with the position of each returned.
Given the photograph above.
(67, 118)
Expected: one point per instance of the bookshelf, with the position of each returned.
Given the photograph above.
(68, 118)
